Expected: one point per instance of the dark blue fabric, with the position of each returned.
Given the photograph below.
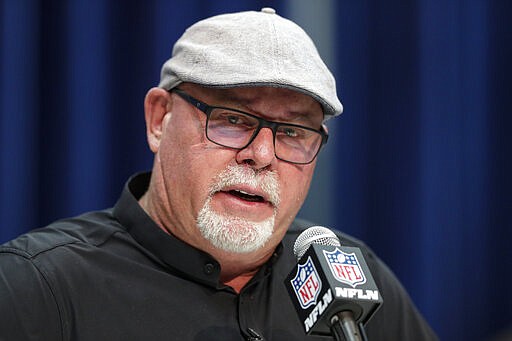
(422, 153)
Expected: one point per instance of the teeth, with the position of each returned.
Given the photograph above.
(247, 196)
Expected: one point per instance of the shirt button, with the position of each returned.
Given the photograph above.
(209, 268)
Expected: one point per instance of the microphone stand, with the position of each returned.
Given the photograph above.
(344, 328)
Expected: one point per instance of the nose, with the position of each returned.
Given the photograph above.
(260, 152)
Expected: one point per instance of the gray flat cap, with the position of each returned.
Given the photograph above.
(251, 49)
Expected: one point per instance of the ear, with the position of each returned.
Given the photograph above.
(157, 104)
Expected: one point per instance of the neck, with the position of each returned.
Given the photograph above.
(239, 282)
(237, 269)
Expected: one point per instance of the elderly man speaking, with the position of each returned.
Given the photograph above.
(198, 249)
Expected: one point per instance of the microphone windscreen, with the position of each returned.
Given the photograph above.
(314, 235)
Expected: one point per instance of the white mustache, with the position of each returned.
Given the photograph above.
(239, 175)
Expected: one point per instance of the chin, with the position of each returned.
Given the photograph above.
(234, 234)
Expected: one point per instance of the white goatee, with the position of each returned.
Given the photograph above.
(232, 233)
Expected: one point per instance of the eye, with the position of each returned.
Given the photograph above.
(293, 132)
(233, 119)
(290, 132)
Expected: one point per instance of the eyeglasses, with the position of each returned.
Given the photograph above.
(237, 129)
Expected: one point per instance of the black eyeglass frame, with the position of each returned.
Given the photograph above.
(262, 123)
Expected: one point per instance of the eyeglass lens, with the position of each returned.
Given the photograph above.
(236, 130)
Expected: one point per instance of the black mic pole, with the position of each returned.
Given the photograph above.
(343, 324)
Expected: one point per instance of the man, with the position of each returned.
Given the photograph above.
(199, 248)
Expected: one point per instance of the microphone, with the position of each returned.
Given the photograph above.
(331, 286)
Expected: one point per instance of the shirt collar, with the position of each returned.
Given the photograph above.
(176, 254)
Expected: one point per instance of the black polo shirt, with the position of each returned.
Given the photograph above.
(115, 275)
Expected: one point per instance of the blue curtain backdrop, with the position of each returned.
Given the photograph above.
(419, 165)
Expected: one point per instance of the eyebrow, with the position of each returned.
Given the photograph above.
(244, 103)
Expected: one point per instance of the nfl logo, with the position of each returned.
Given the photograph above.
(306, 284)
(345, 267)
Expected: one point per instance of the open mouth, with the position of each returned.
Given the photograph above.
(246, 196)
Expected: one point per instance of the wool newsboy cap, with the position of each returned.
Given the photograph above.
(251, 49)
